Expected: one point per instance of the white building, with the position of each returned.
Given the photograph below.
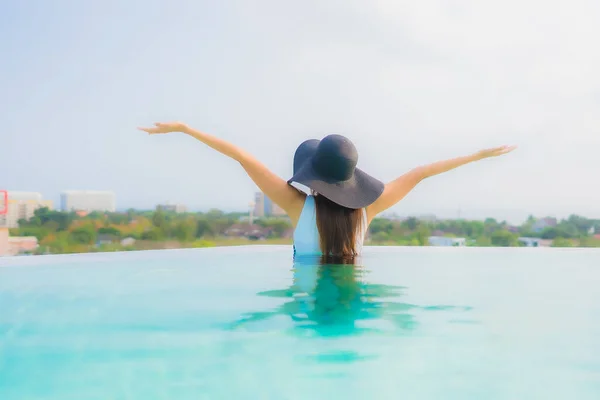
(259, 204)
(15, 245)
(169, 207)
(88, 200)
(264, 207)
(22, 205)
(446, 241)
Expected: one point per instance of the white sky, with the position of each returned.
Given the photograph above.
(408, 82)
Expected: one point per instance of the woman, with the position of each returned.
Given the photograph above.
(333, 220)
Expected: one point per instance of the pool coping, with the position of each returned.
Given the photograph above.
(141, 254)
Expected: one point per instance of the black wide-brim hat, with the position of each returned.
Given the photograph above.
(328, 166)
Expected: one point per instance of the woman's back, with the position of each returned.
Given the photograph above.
(306, 234)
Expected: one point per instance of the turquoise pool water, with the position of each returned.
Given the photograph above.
(245, 323)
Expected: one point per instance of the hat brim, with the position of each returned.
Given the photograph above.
(359, 191)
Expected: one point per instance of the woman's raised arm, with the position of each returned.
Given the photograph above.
(397, 189)
(285, 196)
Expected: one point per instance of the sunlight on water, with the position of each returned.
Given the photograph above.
(242, 323)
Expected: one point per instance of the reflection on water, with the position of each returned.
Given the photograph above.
(330, 299)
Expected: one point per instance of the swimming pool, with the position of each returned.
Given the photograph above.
(245, 323)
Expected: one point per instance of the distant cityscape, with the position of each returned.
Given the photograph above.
(16, 206)
(88, 221)
(22, 205)
(262, 206)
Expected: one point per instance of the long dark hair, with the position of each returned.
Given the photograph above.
(338, 229)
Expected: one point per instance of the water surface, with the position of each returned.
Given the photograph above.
(248, 323)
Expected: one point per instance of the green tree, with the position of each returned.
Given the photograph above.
(502, 238)
(118, 218)
(131, 214)
(109, 231)
(60, 243)
(214, 214)
(161, 224)
(570, 230)
(39, 232)
(43, 216)
(411, 223)
(550, 233)
(33, 221)
(381, 225)
(490, 225)
(380, 236)
(422, 235)
(51, 226)
(185, 231)
(153, 234)
(204, 228)
(579, 224)
(278, 225)
(562, 230)
(220, 225)
(483, 241)
(96, 215)
(83, 235)
(159, 219)
(473, 229)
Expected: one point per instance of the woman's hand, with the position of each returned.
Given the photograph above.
(495, 151)
(165, 127)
